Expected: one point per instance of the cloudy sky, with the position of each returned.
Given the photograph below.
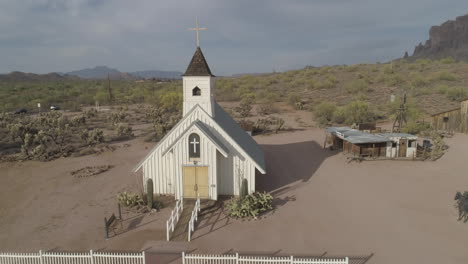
(243, 35)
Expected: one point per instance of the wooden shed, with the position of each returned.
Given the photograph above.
(455, 120)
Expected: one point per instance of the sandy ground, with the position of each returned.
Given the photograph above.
(375, 212)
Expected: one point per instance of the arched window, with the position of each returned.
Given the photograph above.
(194, 146)
(196, 91)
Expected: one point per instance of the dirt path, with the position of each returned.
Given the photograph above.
(378, 211)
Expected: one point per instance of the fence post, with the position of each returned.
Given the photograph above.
(237, 258)
(183, 257)
(120, 212)
(167, 230)
(40, 257)
(144, 257)
(91, 256)
(347, 260)
(292, 259)
(107, 230)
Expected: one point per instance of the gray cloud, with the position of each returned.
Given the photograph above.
(243, 36)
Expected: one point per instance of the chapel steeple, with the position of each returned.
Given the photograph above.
(198, 82)
(198, 65)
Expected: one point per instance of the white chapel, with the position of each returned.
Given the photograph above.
(207, 153)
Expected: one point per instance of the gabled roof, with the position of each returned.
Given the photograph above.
(198, 65)
(245, 141)
(228, 125)
(206, 131)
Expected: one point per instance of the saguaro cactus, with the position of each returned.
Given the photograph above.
(149, 193)
(244, 191)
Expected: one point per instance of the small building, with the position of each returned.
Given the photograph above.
(403, 145)
(363, 144)
(455, 120)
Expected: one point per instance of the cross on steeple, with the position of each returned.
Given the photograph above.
(197, 29)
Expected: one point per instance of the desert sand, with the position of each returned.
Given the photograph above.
(374, 211)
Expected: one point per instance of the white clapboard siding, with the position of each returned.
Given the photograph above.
(72, 258)
(166, 170)
(236, 259)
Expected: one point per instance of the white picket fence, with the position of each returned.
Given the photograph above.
(72, 258)
(193, 218)
(174, 218)
(236, 259)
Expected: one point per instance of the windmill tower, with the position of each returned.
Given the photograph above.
(400, 119)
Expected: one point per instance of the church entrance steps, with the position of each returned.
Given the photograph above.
(207, 207)
(180, 230)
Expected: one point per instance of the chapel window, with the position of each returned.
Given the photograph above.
(196, 91)
(194, 146)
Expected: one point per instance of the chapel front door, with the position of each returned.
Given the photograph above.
(195, 182)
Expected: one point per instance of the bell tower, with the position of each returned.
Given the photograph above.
(198, 82)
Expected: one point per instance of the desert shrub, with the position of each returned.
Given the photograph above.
(245, 107)
(245, 124)
(264, 125)
(442, 89)
(456, 93)
(324, 112)
(448, 60)
(90, 113)
(130, 199)
(357, 86)
(339, 115)
(92, 137)
(438, 145)
(124, 131)
(266, 109)
(413, 127)
(250, 206)
(294, 98)
(326, 84)
(394, 80)
(117, 117)
(417, 80)
(358, 112)
(163, 119)
(462, 205)
(446, 76)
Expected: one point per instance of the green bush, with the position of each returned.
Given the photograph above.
(124, 131)
(250, 206)
(324, 112)
(446, 76)
(456, 93)
(357, 86)
(415, 128)
(448, 60)
(358, 112)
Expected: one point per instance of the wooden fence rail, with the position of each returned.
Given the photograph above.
(174, 218)
(236, 259)
(72, 258)
(193, 218)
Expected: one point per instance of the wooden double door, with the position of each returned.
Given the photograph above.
(195, 181)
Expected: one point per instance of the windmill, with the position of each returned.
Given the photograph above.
(400, 119)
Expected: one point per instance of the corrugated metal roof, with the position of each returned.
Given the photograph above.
(355, 136)
(397, 135)
(245, 141)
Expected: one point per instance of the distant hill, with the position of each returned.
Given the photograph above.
(17, 76)
(447, 40)
(101, 72)
(157, 74)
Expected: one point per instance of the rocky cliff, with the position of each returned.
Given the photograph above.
(447, 40)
